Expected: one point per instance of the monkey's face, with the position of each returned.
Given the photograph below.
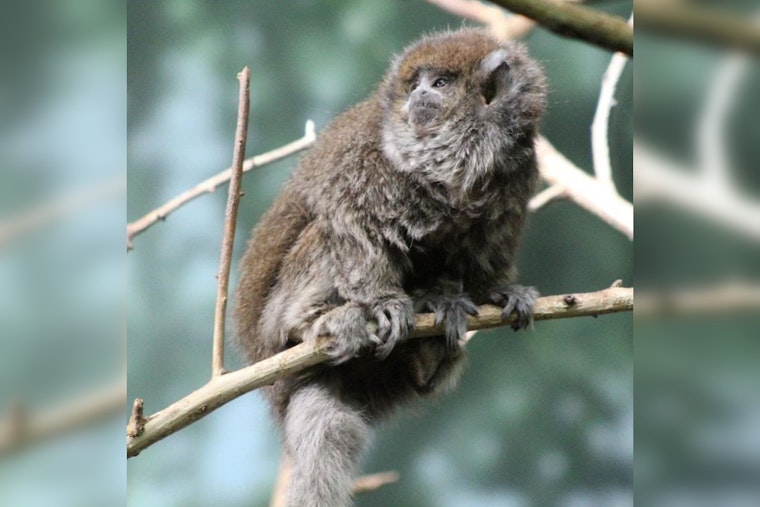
(455, 103)
(430, 98)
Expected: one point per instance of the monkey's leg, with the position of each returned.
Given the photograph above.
(324, 438)
(433, 367)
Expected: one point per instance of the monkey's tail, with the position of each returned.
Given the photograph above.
(324, 439)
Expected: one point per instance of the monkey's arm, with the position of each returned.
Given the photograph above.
(490, 273)
(369, 272)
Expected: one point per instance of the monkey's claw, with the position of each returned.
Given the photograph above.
(516, 298)
(452, 311)
(395, 319)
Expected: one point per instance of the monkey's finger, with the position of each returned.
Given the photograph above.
(469, 307)
(509, 307)
(440, 312)
(456, 327)
(383, 325)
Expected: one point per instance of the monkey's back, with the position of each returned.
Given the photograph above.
(259, 269)
(326, 179)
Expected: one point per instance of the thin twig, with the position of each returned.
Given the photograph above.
(546, 196)
(563, 18)
(683, 19)
(371, 482)
(583, 189)
(223, 389)
(600, 147)
(136, 423)
(209, 185)
(230, 220)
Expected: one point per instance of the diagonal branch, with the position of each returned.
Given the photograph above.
(223, 389)
(603, 30)
(209, 185)
(586, 191)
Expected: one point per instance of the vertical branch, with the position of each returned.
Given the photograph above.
(600, 147)
(279, 496)
(230, 218)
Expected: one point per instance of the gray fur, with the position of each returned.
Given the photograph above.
(412, 200)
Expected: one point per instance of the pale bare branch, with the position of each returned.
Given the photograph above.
(223, 389)
(583, 189)
(230, 221)
(600, 147)
(209, 185)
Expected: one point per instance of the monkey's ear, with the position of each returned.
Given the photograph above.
(494, 69)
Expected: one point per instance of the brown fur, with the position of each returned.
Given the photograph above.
(412, 200)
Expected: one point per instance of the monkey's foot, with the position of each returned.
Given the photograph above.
(515, 298)
(452, 311)
(433, 367)
(347, 325)
(395, 320)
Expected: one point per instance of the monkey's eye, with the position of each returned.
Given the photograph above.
(441, 82)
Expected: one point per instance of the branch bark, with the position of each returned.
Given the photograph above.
(223, 389)
(230, 220)
(603, 30)
(585, 190)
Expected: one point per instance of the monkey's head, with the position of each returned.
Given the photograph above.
(456, 103)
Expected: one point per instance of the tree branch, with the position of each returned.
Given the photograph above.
(209, 185)
(585, 190)
(230, 220)
(603, 30)
(600, 147)
(705, 25)
(223, 389)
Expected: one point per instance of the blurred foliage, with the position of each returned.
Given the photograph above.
(63, 105)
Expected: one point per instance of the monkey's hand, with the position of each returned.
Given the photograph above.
(347, 325)
(515, 298)
(452, 311)
(395, 319)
